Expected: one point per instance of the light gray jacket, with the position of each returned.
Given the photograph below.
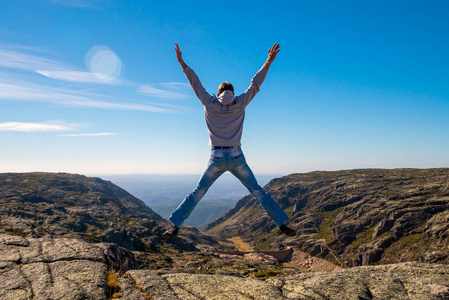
(225, 114)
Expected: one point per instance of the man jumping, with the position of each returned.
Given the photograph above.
(225, 114)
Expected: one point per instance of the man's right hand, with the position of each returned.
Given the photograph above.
(179, 56)
(272, 53)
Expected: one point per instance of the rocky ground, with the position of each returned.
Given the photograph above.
(63, 268)
(89, 208)
(65, 236)
(353, 217)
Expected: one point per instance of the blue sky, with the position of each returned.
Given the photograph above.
(93, 87)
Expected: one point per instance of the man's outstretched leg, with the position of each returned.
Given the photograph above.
(186, 207)
(243, 172)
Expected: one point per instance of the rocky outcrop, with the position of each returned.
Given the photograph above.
(400, 281)
(49, 223)
(76, 206)
(354, 217)
(62, 268)
(397, 281)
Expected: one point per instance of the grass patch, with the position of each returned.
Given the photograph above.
(265, 245)
(289, 211)
(142, 292)
(364, 237)
(112, 283)
(240, 244)
(16, 232)
(326, 224)
(263, 240)
(226, 243)
(412, 239)
(269, 273)
(406, 248)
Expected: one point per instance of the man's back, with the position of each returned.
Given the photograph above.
(225, 121)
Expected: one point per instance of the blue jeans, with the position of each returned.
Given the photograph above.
(231, 160)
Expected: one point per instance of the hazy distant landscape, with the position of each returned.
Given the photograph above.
(163, 193)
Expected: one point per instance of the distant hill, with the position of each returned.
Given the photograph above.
(69, 205)
(353, 217)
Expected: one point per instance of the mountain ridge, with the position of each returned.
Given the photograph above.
(76, 206)
(353, 217)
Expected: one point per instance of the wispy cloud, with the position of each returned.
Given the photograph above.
(50, 126)
(23, 61)
(79, 3)
(26, 91)
(73, 76)
(152, 91)
(34, 127)
(88, 134)
(18, 61)
(11, 58)
(176, 85)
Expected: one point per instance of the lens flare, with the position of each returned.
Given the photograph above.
(104, 64)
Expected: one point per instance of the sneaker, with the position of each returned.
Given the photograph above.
(172, 232)
(287, 231)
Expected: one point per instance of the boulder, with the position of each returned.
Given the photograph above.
(57, 268)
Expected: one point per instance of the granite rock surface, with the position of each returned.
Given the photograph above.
(62, 268)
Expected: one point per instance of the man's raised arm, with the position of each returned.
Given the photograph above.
(272, 52)
(194, 81)
(179, 56)
(258, 79)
